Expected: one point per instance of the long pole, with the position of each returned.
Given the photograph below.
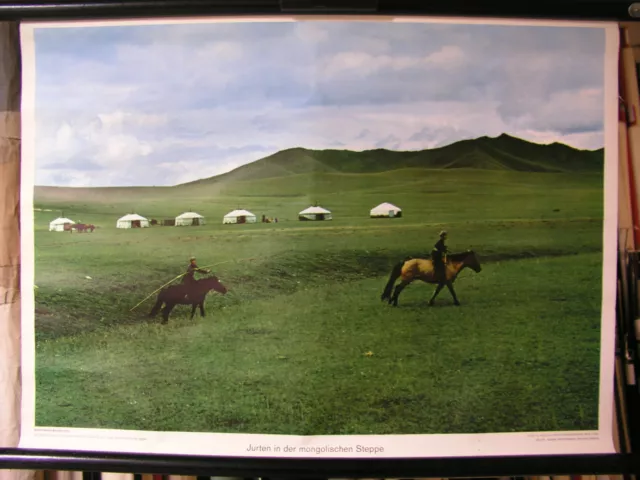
(182, 274)
(155, 291)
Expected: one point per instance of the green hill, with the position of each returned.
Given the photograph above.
(489, 153)
(300, 172)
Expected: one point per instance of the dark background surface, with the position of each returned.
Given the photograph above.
(578, 10)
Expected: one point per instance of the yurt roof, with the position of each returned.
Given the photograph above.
(189, 215)
(240, 213)
(131, 217)
(61, 221)
(386, 207)
(314, 210)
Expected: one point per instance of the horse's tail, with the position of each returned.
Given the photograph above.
(395, 273)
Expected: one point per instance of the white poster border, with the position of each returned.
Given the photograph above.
(347, 446)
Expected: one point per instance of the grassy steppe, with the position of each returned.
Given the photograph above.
(302, 344)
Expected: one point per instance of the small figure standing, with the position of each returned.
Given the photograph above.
(438, 256)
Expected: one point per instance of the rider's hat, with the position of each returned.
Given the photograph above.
(192, 259)
(443, 232)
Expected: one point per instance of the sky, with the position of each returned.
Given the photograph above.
(168, 104)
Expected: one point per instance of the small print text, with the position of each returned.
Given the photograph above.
(316, 449)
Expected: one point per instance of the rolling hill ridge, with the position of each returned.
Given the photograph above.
(504, 152)
(270, 174)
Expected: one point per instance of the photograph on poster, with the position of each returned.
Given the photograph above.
(305, 237)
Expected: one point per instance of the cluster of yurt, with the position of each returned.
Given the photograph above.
(318, 213)
(314, 213)
(186, 219)
(134, 220)
(239, 216)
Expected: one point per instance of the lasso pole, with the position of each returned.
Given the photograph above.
(155, 291)
(182, 274)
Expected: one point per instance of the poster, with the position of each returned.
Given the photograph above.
(234, 230)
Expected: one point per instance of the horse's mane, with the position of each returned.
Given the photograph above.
(210, 277)
(460, 255)
(453, 256)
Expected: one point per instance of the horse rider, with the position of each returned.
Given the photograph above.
(438, 256)
(189, 277)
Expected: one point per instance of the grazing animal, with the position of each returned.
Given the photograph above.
(82, 227)
(192, 294)
(422, 269)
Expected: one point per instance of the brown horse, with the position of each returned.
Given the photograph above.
(82, 227)
(422, 269)
(192, 294)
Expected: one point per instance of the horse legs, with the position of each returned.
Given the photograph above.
(197, 305)
(453, 293)
(396, 292)
(435, 293)
(166, 311)
(439, 288)
(155, 308)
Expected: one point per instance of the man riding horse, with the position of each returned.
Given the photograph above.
(438, 256)
(189, 278)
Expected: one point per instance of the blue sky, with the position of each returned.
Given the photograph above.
(167, 104)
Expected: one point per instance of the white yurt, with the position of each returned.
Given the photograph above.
(386, 210)
(58, 224)
(315, 213)
(239, 216)
(132, 220)
(188, 219)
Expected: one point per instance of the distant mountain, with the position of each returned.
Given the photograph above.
(504, 152)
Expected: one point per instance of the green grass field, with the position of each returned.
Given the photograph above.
(302, 344)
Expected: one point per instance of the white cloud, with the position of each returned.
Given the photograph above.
(177, 158)
(184, 171)
(564, 112)
(364, 63)
(447, 56)
(311, 33)
(119, 119)
(220, 51)
(120, 150)
(65, 139)
(67, 178)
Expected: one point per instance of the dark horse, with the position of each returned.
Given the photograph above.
(184, 294)
(422, 269)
